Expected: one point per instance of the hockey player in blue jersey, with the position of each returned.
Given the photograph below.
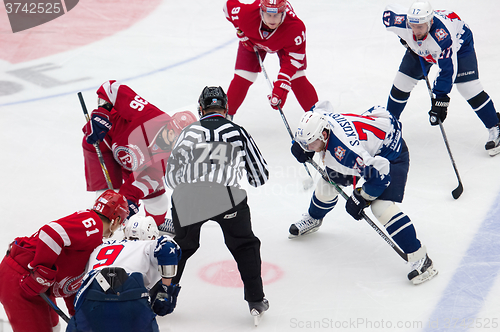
(128, 282)
(367, 146)
(439, 37)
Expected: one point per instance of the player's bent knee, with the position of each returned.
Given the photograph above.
(384, 211)
(325, 192)
(249, 76)
(404, 82)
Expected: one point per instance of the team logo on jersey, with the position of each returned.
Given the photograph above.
(398, 20)
(68, 286)
(339, 152)
(130, 156)
(441, 34)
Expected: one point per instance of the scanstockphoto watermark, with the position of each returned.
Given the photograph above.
(354, 323)
(438, 324)
(24, 14)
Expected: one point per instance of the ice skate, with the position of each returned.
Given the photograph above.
(493, 144)
(422, 270)
(257, 309)
(167, 227)
(305, 226)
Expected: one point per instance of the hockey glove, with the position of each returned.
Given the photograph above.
(38, 281)
(299, 153)
(167, 252)
(280, 91)
(164, 298)
(133, 208)
(439, 109)
(245, 41)
(96, 129)
(355, 204)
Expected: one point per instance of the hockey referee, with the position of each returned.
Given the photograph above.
(204, 169)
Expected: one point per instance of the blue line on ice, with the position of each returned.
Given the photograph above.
(465, 295)
(177, 64)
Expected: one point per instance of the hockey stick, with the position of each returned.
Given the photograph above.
(306, 183)
(458, 190)
(96, 145)
(55, 307)
(377, 229)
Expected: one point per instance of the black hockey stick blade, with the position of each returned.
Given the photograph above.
(55, 307)
(458, 191)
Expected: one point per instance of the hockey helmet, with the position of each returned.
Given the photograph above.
(141, 228)
(420, 12)
(311, 127)
(181, 120)
(112, 205)
(212, 96)
(273, 6)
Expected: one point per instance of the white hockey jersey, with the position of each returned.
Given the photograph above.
(449, 38)
(362, 145)
(131, 255)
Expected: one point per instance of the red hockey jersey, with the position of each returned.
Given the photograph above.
(135, 125)
(288, 40)
(65, 244)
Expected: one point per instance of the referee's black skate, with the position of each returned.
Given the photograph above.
(257, 309)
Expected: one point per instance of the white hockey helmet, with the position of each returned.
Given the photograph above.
(311, 128)
(141, 228)
(420, 12)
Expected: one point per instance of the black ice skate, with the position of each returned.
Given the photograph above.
(493, 144)
(306, 225)
(422, 270)
(257, 309)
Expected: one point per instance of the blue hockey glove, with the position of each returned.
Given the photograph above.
(167, 252)
(299, 153)
(355, 204)
(164, 298)
(439, 109)
(96, 129)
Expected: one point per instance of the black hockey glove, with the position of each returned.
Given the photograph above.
(164, 298)
(355, 204)
(299, 153)
(439, 109)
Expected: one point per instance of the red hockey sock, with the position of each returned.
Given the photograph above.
(236, 93)
(304, 92)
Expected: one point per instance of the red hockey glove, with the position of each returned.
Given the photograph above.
(38, 281)
(96, 129)
(280, 91)
(247, 43)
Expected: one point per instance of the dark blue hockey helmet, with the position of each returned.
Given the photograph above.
(212, 96)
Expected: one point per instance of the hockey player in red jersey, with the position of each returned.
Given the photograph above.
(136, 139)
(52, 261)
(270, 26)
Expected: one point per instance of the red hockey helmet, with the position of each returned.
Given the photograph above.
(273, 6)
(112, 205)
(181, 120)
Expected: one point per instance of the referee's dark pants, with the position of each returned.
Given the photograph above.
(240, 240)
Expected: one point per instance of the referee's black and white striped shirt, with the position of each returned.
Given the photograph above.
(215, 149)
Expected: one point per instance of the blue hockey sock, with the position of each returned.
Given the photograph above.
(401, 229)
(397, 101)
(318, 209)
(484, 108)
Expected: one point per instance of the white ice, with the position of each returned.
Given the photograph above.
(344, 277)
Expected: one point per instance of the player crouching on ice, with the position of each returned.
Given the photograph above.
(129, 281)
(353, 146)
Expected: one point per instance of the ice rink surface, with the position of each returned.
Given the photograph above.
(342, 278)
